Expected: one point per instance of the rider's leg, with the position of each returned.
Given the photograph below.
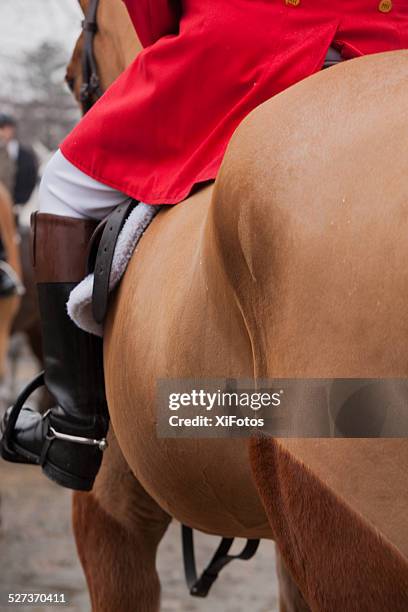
(66, 191)
(71, 203)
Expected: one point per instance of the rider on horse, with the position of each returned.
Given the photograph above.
(160, 130)
(18, 172)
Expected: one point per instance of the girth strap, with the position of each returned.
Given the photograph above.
(104, 258)
(200, 587)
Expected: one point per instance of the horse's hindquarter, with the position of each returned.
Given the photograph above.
(173, 318)
(323, 188)
(314, 189)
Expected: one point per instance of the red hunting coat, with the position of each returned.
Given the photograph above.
(165, 123)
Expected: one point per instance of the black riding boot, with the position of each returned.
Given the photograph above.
(8, 285)
(69, 439)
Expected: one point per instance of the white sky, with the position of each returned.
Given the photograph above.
(26, 23)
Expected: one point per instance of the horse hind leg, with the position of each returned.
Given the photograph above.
(118, 528)
(290, 598)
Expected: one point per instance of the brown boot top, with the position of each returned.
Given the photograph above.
(60, 247)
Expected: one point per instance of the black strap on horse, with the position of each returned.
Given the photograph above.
(200, 587)
(101, 254)
(90, 89)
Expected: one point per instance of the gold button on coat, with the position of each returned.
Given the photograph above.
(385, 6)
(293, 2)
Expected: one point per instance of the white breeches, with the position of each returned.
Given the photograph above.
(65, 190)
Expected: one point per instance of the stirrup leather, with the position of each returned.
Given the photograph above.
(6, 440)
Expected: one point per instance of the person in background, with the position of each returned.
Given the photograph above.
(7, 167)
(24, 157)
(19, 173)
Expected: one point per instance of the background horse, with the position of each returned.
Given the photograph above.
(290, 266)
(27, 319)
(9, 305)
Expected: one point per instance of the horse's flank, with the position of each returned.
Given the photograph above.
(191, 328)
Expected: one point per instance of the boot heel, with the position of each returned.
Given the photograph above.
(64, 479)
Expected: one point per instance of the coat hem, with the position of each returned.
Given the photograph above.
(132, 192)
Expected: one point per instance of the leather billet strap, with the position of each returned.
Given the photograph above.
(200, 587)
(104, 258)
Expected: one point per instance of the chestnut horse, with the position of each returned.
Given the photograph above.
(9, 305)
(291, 265)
